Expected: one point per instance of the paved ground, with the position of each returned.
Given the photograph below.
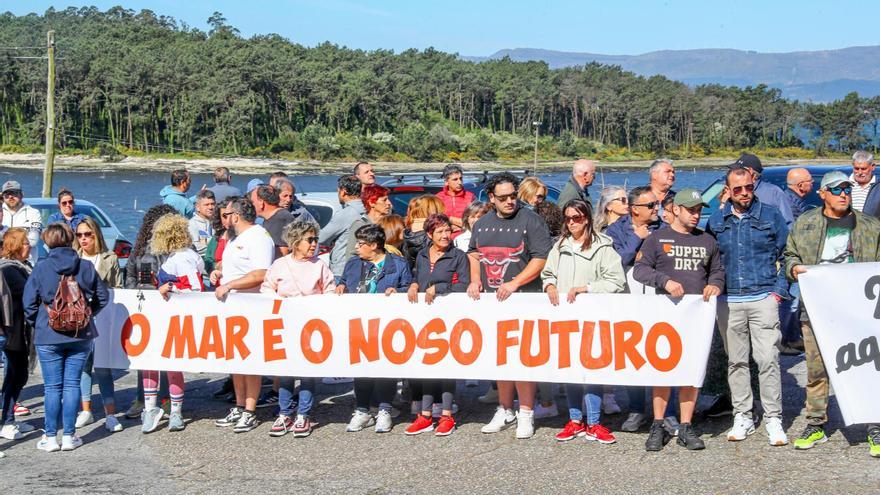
(206, 459)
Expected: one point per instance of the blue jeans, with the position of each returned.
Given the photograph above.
(790, 317)
(306, 395)
(577, 395)
(62, 366)
(637, 400)
(104, 377)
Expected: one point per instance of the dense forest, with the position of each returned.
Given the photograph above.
(141, 82)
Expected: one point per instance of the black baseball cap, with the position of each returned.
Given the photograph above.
(747, 160)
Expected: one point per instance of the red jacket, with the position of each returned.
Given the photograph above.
(455, 204)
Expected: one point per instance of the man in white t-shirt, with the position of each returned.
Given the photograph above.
(245, 261)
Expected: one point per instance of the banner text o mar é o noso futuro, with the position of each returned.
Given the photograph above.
(616, 339)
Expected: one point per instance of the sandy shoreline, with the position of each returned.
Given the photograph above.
(244, 165)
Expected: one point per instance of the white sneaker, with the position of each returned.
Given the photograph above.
(775, 431)
(383, 421)
(359, 421)
(70, 442)
(542, 412)
(490, 397)
(609, 403)
(84, 418)
(48, 444)
(24, 427)
(525, 424)
(743, 426)
(10, 432)
(502, 420)
(112, 424)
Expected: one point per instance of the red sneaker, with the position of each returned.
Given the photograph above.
(572, 429)
(445, 426)
(599, 433)
(20, 410)
(420, 425)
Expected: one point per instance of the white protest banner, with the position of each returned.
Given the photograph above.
(601, 338)
(843, 302)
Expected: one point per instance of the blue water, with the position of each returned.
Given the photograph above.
(125, 195)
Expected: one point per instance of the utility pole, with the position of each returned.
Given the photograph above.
(50, 118)
(537, 127)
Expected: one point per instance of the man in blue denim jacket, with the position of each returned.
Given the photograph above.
(751, 237)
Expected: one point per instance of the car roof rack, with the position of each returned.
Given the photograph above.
(428, 176)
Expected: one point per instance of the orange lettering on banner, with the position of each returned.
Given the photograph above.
(236, 329)
(438, 347)
(305, 341)
(564, 329)
(471, 327)
(180, 338)
(663, 329)
(271, 339)
(525, 350)
(211, 342)
(359, 344)
(626, 335)
(604, 359)
(409, 337)
(504, 340)
(143, 324)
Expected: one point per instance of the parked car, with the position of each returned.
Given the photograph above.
(112, 235)
(406, 186)
(322, 205)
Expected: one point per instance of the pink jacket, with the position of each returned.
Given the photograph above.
(288, 277)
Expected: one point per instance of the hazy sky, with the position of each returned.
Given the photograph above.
(481, 27)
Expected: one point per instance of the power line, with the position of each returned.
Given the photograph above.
(22, 47)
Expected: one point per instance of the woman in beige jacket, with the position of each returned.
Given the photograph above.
(90, 246)
(582, 261)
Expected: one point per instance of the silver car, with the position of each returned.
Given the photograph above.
(112, 235)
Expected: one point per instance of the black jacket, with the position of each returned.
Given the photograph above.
(413, 242)
(141, 271)
(14, 275)
(451, 273)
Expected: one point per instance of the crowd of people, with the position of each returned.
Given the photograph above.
(646, 240)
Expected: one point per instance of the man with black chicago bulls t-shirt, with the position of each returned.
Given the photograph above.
(508, 249)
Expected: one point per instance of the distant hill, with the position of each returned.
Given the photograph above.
(818, 76)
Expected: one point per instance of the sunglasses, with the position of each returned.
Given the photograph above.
(651, 205)
(739, 189)
(311, 239)
(575, 218)
(623, 201)
(226, 215)
(836, 190)
(9, 194)
(504, 197)
(66, 203)
(84, 234)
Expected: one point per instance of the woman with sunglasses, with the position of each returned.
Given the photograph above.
(299, 273)
(582, 261)
(612, 205)
(89, 245)
(66, 210)
(439, 269)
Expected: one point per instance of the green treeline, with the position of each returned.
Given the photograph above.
(135, 81)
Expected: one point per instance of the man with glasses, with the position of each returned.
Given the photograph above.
(507, 252)
(834, 233)
(800, 184)
(18, 214)
(767, 193)
(245, 261)
(862, 178)
(582, 174)
(627, 235)
(751, 236)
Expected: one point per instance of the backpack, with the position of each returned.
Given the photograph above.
(70, 311)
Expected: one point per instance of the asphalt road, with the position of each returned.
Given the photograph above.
(206, 459)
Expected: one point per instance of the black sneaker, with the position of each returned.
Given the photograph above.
(721, 407)
(224, 389)
(688, 438)
(269, 399)
(246, 423)
(658, 437)
(231, 419)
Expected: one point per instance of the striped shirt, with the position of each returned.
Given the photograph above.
(860, 193)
